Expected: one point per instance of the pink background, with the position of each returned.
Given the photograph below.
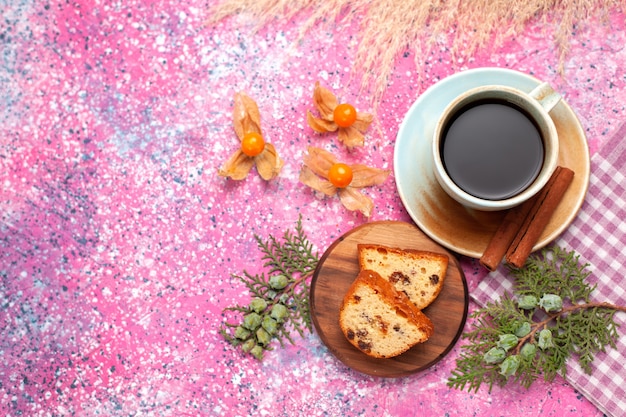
(118, 238)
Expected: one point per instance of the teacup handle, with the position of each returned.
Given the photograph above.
(546, 96)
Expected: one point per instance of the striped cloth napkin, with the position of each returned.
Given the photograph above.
(598, 234)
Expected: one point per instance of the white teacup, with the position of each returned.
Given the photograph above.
(495, 146)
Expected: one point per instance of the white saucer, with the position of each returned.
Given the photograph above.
(447, 222)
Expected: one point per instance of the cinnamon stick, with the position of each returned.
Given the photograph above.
(537, 220)
(510, 226)
(504, 235)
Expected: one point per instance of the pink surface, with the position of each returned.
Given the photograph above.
(118, 238)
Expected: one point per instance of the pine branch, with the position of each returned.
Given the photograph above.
(551, 319)
(280, 299)
(554, 270)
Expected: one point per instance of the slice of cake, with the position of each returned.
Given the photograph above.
(419, 274)
(380, 321)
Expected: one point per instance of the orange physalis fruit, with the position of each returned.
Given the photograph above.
(344, 115)
(340, 175)
(252, 144)
(331, 116)
(323, 173)
(253, 149)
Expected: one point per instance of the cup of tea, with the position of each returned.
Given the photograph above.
(495, 146)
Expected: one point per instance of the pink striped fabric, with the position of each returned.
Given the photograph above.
(598, 234)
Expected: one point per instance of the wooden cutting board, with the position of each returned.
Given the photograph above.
(339, 266)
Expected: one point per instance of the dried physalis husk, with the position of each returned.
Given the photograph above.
(253, 149)
(268, 163)
(237, 166)
(350, 125)
(317, 174)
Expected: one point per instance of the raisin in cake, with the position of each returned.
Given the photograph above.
(419, 274)
(380, 321)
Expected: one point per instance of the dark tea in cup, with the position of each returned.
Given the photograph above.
(492, 149)
(495, 146)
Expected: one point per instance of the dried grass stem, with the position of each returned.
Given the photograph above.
(388, 28)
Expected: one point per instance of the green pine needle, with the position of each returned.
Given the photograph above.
(280, 298)
(578, 328)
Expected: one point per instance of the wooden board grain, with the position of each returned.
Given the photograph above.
(339, 266)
